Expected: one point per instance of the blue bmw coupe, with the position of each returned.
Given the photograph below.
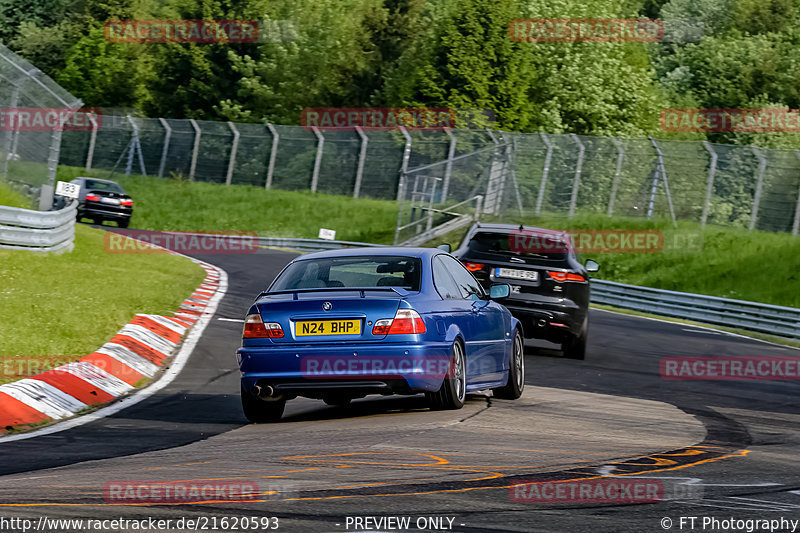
(340, 325)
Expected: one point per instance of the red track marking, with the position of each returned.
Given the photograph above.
(75, 387)
(13, 412)
(114, 367)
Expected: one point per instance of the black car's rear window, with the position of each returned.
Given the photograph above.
(95, 185)
(525, 243)
(360, 272)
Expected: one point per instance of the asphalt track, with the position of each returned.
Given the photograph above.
(720, 449)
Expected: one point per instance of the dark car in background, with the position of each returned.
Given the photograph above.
(549, 286)
(102, 200)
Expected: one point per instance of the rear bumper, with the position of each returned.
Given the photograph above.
(548, 321)
(109, 214)
(307, 370)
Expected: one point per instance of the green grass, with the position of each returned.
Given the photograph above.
(12, 198)
(180, 205)
(62, 307)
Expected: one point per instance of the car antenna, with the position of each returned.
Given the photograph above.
(521, 227)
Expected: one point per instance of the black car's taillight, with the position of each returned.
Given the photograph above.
(565, 276)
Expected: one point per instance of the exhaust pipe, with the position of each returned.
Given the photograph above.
(265, 392)
(541, 323)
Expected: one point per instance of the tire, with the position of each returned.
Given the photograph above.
(453, 391)
(516, 371)
(258, 411)
(123, 223)
(575, 347)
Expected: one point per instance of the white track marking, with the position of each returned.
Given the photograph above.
(43, 397)
(96, 376)
(125, 356)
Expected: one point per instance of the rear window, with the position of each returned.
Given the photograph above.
(94, 185)
(354, 272)
(525, 243)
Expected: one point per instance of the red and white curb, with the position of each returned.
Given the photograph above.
(138, 351)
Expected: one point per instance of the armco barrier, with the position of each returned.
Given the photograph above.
(752, 316)
(37, 231)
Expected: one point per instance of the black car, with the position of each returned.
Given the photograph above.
(101, 200)
(549, 287)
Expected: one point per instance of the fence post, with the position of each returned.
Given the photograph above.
(663, 170)
(576, 181)
(544, 172)
(401, 184)
(234, 148)
(92, 142)
(195, 148)
(272, 153)
(712, 170)
(14, 101)
(796, 225)
(511, 155)
(448, 168)
(135, 147)
(617, 175)
(131, 146)
(494, 190)
(317, 159)
(165, 147)
(46, 194)
(762, 165)
(362, 157)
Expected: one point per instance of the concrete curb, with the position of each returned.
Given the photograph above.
(138, 351)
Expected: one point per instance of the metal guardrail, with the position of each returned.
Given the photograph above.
(37, 231)
(310, 245)
(753, 316)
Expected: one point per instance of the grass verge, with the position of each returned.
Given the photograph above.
(181, 205)
(57, 308)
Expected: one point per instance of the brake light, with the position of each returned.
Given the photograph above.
(405, 322)
(566, 276)
(255, 328)
(474, 267)
(128, 203)
(92, 197)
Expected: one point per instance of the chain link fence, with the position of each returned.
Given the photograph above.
(517, 175)
(29, 140)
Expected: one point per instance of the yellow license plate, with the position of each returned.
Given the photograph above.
(308, 328)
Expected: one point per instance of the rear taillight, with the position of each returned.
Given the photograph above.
(92, 197)
(128, 203)
(405, 322)
(474, 267)
(566, 276)
(255, 328)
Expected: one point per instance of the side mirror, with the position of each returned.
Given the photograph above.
(499, 291)
(592, 266)
(445, 247)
